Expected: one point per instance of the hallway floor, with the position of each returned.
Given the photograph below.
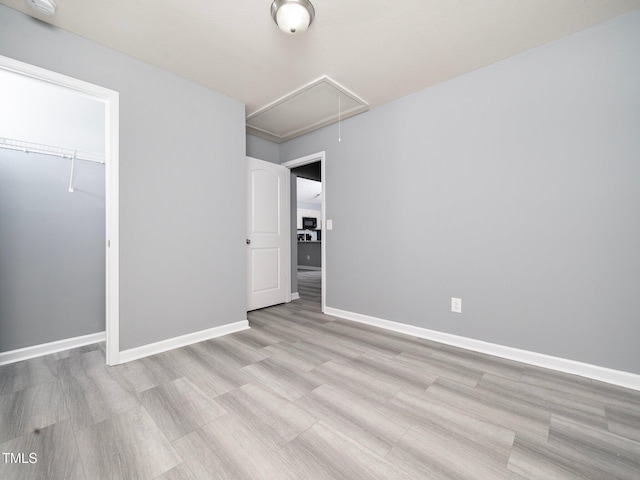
(302, 395)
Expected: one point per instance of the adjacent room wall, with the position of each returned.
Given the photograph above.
(313, 251)
(310, 206)
(515, 188)
(182, 211)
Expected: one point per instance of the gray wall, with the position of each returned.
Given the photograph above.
(515, 187)
(182, 211)
(52, 259)
(263, 149)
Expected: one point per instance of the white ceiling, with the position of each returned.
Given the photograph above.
(378, 49)
(309, 191)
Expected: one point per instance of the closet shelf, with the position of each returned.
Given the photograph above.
(30, 147)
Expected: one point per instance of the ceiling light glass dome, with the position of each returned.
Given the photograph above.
(292, 16)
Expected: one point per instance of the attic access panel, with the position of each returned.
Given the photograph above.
(304, 110)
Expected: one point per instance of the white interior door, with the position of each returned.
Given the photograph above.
(267, 234)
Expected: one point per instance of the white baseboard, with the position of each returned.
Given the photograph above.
(51, 347)
(608, 375)
(181, 341)
(295, 296)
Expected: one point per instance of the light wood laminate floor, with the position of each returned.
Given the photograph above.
(307, 396)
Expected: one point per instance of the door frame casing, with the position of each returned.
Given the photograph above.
(111, 101)
(299, 162)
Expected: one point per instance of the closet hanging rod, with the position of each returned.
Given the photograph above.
(31, 147)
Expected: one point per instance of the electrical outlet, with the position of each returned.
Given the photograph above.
(308, 257)
(456, 305)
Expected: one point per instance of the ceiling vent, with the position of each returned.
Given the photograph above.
(308, 108)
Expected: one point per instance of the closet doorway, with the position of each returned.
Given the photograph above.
(60, 218)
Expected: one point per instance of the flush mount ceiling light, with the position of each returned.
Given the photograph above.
(46, 7)
(292, 16)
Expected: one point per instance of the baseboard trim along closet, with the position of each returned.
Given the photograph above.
(608, 375)
(52, 347)
(181, 341)
(295, 296)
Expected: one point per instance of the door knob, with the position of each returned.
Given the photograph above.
(248, 241)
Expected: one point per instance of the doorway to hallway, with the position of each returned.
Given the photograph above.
(318, 234)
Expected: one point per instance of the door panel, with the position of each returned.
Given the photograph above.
(265, 202)
(267, 232)
(266, 268)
